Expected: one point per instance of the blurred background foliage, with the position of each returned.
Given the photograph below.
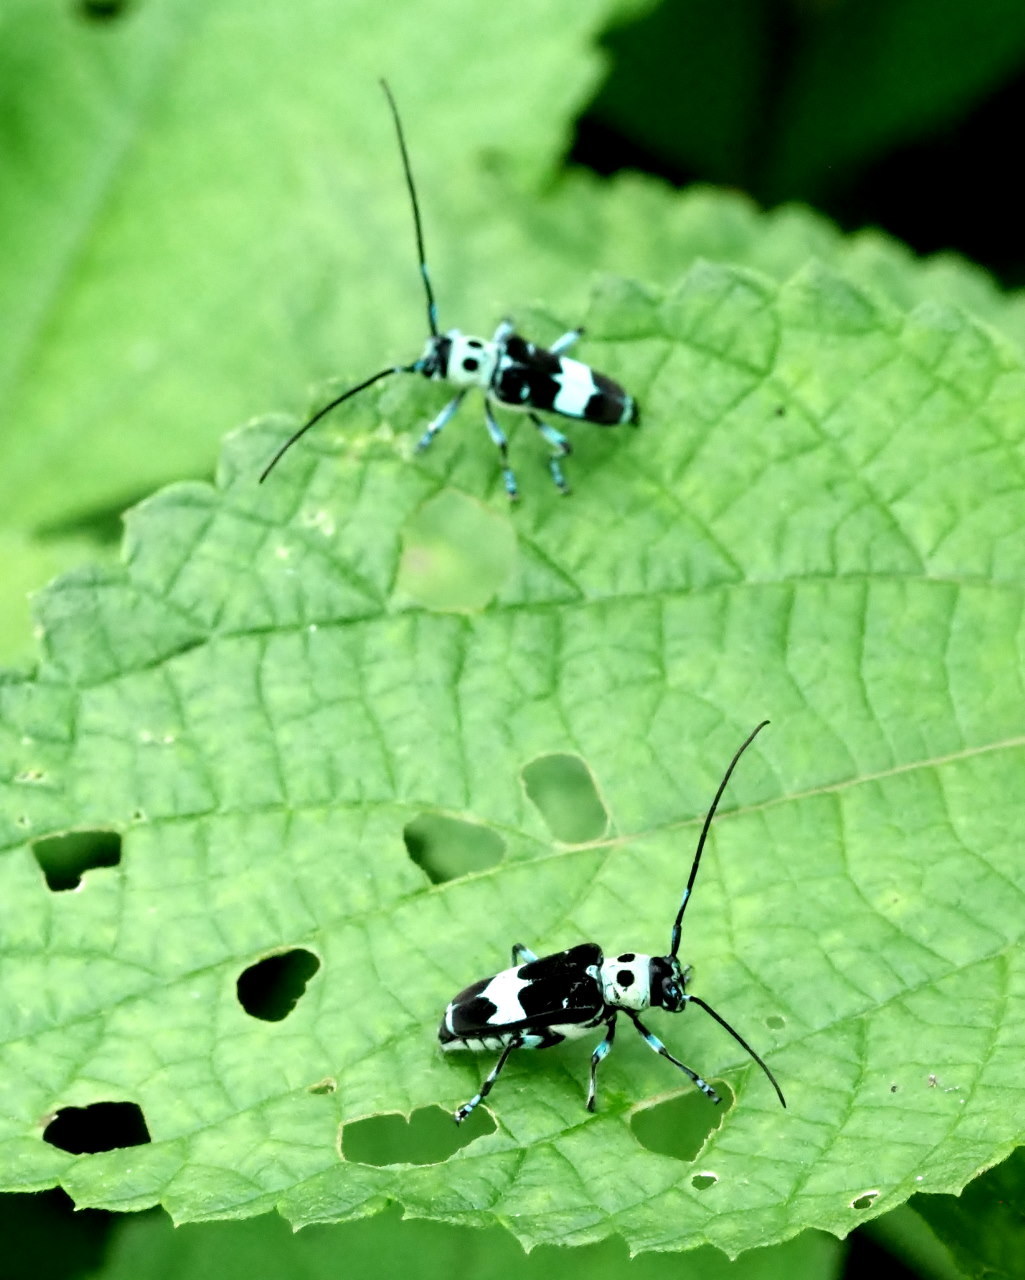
(899, 114)
(906, 115)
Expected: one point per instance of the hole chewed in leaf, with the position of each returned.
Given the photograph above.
(456, 554)
(562, 789)
(774, 1022)
(446, 848)
(702, 1181)
(102, 1126)
(64, 859)
(680, 1126)
(865, 1200)
(271, 988)
(429, 1137)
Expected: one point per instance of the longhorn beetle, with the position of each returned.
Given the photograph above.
(541, 1002)
(511, 372)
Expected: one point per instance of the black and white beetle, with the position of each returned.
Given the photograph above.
(511, 372)
(541, 1002)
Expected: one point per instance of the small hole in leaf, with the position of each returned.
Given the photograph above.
(64, 859)
(102, 1126)
(680, 1126)
(457, 553)
(563, 790)
(774, 1022)
(864, 1201)
(328, 1085)
(446, 848)
(429, 1137)
(271, 988)
(702, 1181)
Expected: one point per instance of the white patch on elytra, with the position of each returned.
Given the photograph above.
(576, 387)
(504, 993)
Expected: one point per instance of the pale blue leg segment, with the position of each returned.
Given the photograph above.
(522, 954)
(502, 445)
(460, 1114)
(653, 1042)
(503, 331)
(436, 423)
(597, 1058)
(565, 342)
(561, 447)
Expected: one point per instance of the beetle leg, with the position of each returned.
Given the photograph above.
(565, 342)
(653, 1042)
(599, 1055)
(438, 421)
(502, 445)
(561, 447)
(460, 1114)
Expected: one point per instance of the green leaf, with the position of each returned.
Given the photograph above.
(635, 223)
(149, 1248)
(818, 522)
(28, 562)
(203, 214)
(175, 264)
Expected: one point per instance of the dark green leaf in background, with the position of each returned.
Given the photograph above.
(786, 98)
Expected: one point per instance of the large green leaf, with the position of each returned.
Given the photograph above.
(819, 521)
(203, 216)
(203, 212)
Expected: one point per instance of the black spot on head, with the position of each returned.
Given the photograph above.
(625, 978)
(474, 342)
(626, 957)
(471, 364)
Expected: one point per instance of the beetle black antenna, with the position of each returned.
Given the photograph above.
(674, 941)
(432, 309)
(369, 382)
(723, 1023)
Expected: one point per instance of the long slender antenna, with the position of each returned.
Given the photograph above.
(736, 1034)
(384, 373)
(677, 923)
(432, 309)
